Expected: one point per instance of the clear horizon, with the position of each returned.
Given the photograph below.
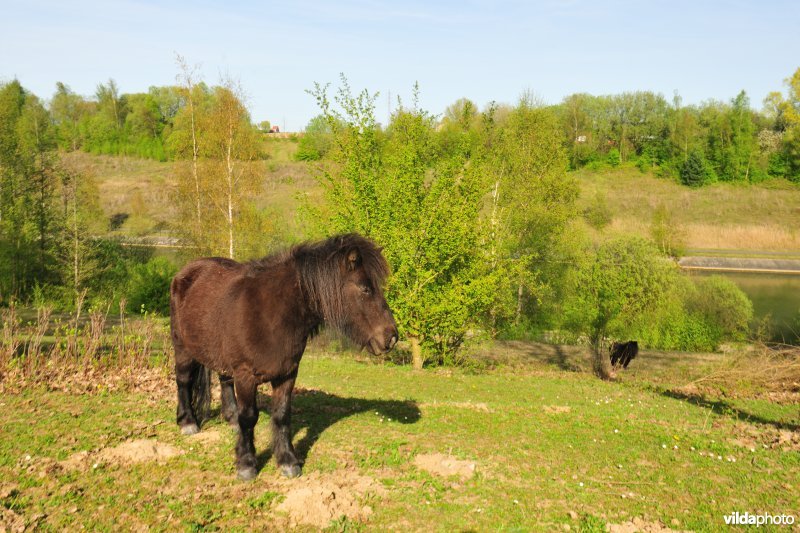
(480, 50)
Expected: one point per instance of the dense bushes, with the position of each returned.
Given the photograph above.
(148, 287)
(628, 289)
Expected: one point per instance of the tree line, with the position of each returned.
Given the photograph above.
(715, 140)
(697, 144)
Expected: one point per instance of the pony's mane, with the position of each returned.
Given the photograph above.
(320, 266)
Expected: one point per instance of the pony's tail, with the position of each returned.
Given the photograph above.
(201, 394)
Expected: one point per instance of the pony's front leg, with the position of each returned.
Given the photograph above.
(248, 417)
(282, 447)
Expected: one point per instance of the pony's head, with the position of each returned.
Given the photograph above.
(344, 282)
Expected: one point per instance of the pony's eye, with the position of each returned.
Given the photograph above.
(365, 289)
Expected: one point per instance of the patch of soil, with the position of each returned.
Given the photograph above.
(637, 525)
(129, 452)
(11, 521)
(206, 436)
(138, 451)
(754, 437)
(317, 499)
(8, 489)
(445, 465)
(557, 409)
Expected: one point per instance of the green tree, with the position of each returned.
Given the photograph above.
(231, 147)
(186, 142)
(423, 208)
(790, 115)
(76, 253)
(316, 141)
(624, 278)
(666, 232)
(694, 171)
(66, 110)
(27, 214)
(532, 199)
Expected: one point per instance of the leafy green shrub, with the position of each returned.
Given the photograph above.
(316, 142)
(722, 303)
(614, 159)
(148, 285)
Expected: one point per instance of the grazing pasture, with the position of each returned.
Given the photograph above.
(534, 443)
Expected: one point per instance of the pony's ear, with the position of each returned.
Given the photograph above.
(353, 259)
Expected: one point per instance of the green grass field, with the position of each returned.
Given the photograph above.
(551, 448)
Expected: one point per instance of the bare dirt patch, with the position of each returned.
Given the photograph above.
(11, 521)
(639, 525)
(206, 436)
(445, 465)
(129, 452)
(557, 409)
(754, 437)
(138, 451)
(317, 499)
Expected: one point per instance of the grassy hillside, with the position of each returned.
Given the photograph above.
(722, 216)
(534, 448)
(760, 218)
(144, 189)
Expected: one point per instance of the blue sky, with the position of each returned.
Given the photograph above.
(486, 51)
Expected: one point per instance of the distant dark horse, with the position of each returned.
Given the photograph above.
(622, 353)
(250, 323)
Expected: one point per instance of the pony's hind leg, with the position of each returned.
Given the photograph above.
(185, 372)
(228, 411)
(282, 447)
(248, 417)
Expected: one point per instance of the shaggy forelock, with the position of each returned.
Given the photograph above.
(322, 264)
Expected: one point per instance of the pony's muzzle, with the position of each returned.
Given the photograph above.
(383, 342)
(390, 338)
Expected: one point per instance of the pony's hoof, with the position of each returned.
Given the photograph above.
(190, 429)
(291, 471)
(247, 473)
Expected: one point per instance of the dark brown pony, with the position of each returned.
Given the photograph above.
(250, 323)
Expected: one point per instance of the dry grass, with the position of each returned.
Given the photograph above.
(128, 184)
(763, 217)
(144, 189)
(50, 352)
(765, 370)
(765, 237)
